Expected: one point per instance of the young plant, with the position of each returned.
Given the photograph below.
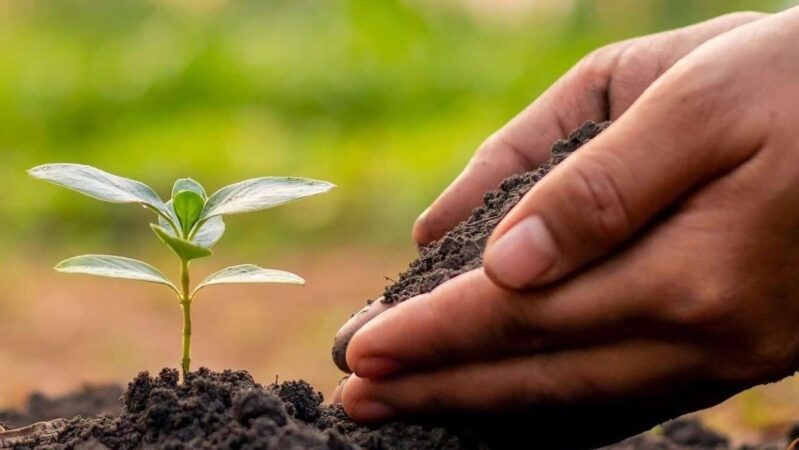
(190, 224)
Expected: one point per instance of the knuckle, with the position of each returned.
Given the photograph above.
(693, 90)
(709, 304)
(516, 323)
(551, 384)
(594, 69)
(599, 201)
(771, 358)
(741, 17)
(435, 399)
(439, 312)
(499, 147)
(760, 357)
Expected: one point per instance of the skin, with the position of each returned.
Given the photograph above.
(654, 265)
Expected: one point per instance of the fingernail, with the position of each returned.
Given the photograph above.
(345, 334)
(339, 390)
(372, 411)
(375, 367)
(522, 254)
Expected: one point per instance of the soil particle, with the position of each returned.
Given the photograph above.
(461, 249)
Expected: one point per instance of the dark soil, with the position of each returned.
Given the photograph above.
(89, 401)
(461, 249)
(229, 410)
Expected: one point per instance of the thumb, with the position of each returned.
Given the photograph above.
(599, 197)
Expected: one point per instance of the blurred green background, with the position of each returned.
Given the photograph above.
(385, 98)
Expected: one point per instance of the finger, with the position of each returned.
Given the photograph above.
(345, 333)
(471, 318)
(336, 397)
(616, 371)
(521, 145)
(598, 88)
(663, 147)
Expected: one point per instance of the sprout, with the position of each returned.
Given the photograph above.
(190, 224)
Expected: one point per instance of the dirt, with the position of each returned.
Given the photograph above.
(229, 410)
(88, 401)
(461, 249)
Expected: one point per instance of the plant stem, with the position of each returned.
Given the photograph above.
(185, 304)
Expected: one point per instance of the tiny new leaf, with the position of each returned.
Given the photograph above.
(187, 206)
(187, 184)
(186, 250)
(207, 234)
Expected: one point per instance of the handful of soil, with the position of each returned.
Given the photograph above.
(461, 249)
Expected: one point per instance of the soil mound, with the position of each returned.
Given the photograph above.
(229, 410)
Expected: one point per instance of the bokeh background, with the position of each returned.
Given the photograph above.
(386, 98)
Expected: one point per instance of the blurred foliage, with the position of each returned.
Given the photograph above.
(385, 98)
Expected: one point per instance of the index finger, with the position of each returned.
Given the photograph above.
(521, 145)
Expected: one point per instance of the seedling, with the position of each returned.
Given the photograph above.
(190, 224)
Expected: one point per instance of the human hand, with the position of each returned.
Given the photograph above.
(697, 184)
(600, 87)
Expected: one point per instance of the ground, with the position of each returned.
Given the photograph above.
(61, 331)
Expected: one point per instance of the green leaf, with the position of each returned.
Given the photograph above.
(184, 249)
(101, 185)
(249, 273)
(187, 184)
(114, 267)
(187, 206)
(261, 193)
(210, 232)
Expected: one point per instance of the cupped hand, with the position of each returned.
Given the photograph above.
(600, 87)
(657, 262)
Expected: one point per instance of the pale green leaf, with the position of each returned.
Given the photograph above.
(261, 193)
(210, 232)
(98, 184)
(184, 249)
(166, 225)
(249, 273)
(114, 267)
